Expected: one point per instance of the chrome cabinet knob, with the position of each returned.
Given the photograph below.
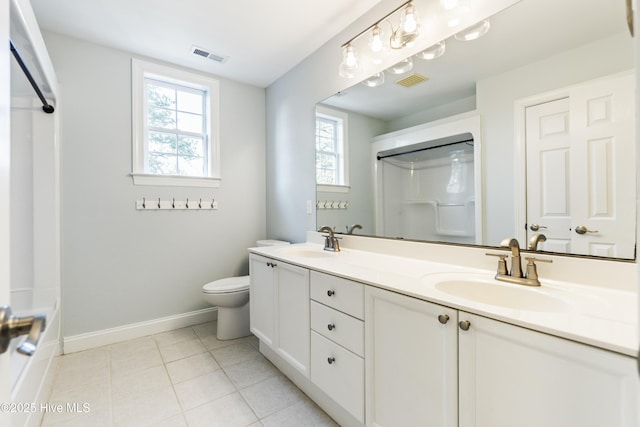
(331, 360)
(443, 318)
(581, 229)
(331, 326)
(464, 325)
(331, 293)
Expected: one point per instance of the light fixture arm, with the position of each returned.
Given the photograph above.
(386, 17)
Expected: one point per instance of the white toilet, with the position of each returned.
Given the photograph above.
(231, 296)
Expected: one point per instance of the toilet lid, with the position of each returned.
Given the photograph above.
(229, 284)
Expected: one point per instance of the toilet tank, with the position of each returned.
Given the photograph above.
(271, 242)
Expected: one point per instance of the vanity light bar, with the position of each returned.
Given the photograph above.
(371, 27)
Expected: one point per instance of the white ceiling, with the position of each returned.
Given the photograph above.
(263, 39)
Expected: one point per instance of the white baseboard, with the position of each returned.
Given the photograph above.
(95, 339)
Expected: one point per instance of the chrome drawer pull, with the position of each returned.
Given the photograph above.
(331, 360)
(331, 293)
(331, 326)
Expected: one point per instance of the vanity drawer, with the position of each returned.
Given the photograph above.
(339, 373)
(341, 294)
(338, 327)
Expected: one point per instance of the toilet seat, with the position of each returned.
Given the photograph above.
(227, 285)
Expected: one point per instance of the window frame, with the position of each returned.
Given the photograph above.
(342, 151)
(141, 176)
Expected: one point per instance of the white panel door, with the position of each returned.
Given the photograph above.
(548, 174)
(603, 140)
(511, 376)
(581, 169)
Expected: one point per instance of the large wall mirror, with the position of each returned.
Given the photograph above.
(543, 74)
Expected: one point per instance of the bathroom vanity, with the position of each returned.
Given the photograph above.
(387, 333)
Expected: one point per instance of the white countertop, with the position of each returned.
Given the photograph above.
(598, 316)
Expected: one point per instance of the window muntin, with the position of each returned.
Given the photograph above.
(331, 148)
(176, 126)
(176, 132)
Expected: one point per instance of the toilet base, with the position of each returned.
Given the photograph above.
(233, 322)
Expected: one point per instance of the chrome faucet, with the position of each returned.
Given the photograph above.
(330, 240)
(535, 240)
(515, 276)
(353, 227)
(516, 266)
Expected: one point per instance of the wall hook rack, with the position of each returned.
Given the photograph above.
(175, 204)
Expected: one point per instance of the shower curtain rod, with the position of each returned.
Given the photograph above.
(417, 150)
(46, 107)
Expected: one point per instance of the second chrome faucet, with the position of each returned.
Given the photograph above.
(529, 278)
(330, 240)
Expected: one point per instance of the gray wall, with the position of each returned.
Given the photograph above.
(120, 265)
(291, 104)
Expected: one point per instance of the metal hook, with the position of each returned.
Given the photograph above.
(212, 202)
(173, 203)
(200, 204)
(186, 204)
(144, 203)
(159, 203)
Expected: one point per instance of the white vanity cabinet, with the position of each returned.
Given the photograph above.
(423, 368)
(511, 376)
(411, 361)
(337, 340)
(279, 306)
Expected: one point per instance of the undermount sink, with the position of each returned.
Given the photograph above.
(489, 291)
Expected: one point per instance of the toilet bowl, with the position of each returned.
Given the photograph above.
(231, 296)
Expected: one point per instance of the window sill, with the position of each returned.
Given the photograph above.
(333, 188)
(175, 180)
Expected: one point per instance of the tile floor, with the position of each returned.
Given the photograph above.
(184, 377)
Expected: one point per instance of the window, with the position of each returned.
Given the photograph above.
(176, 127)
(331, 150)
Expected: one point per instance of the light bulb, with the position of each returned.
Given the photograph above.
(401, 67)
(408, 30)
(349, 62)
(474, 32)
(350, 58)
(376, 43)
(409, 19)
(375, 80)
(432, 52)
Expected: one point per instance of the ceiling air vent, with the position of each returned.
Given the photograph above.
(412, 80)
(208, 54)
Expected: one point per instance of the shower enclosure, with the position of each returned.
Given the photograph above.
(428, 183)
(33, 200)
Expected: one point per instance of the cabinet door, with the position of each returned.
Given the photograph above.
(292, 314)
(411, 361)
(510, 376)
(262, 299)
